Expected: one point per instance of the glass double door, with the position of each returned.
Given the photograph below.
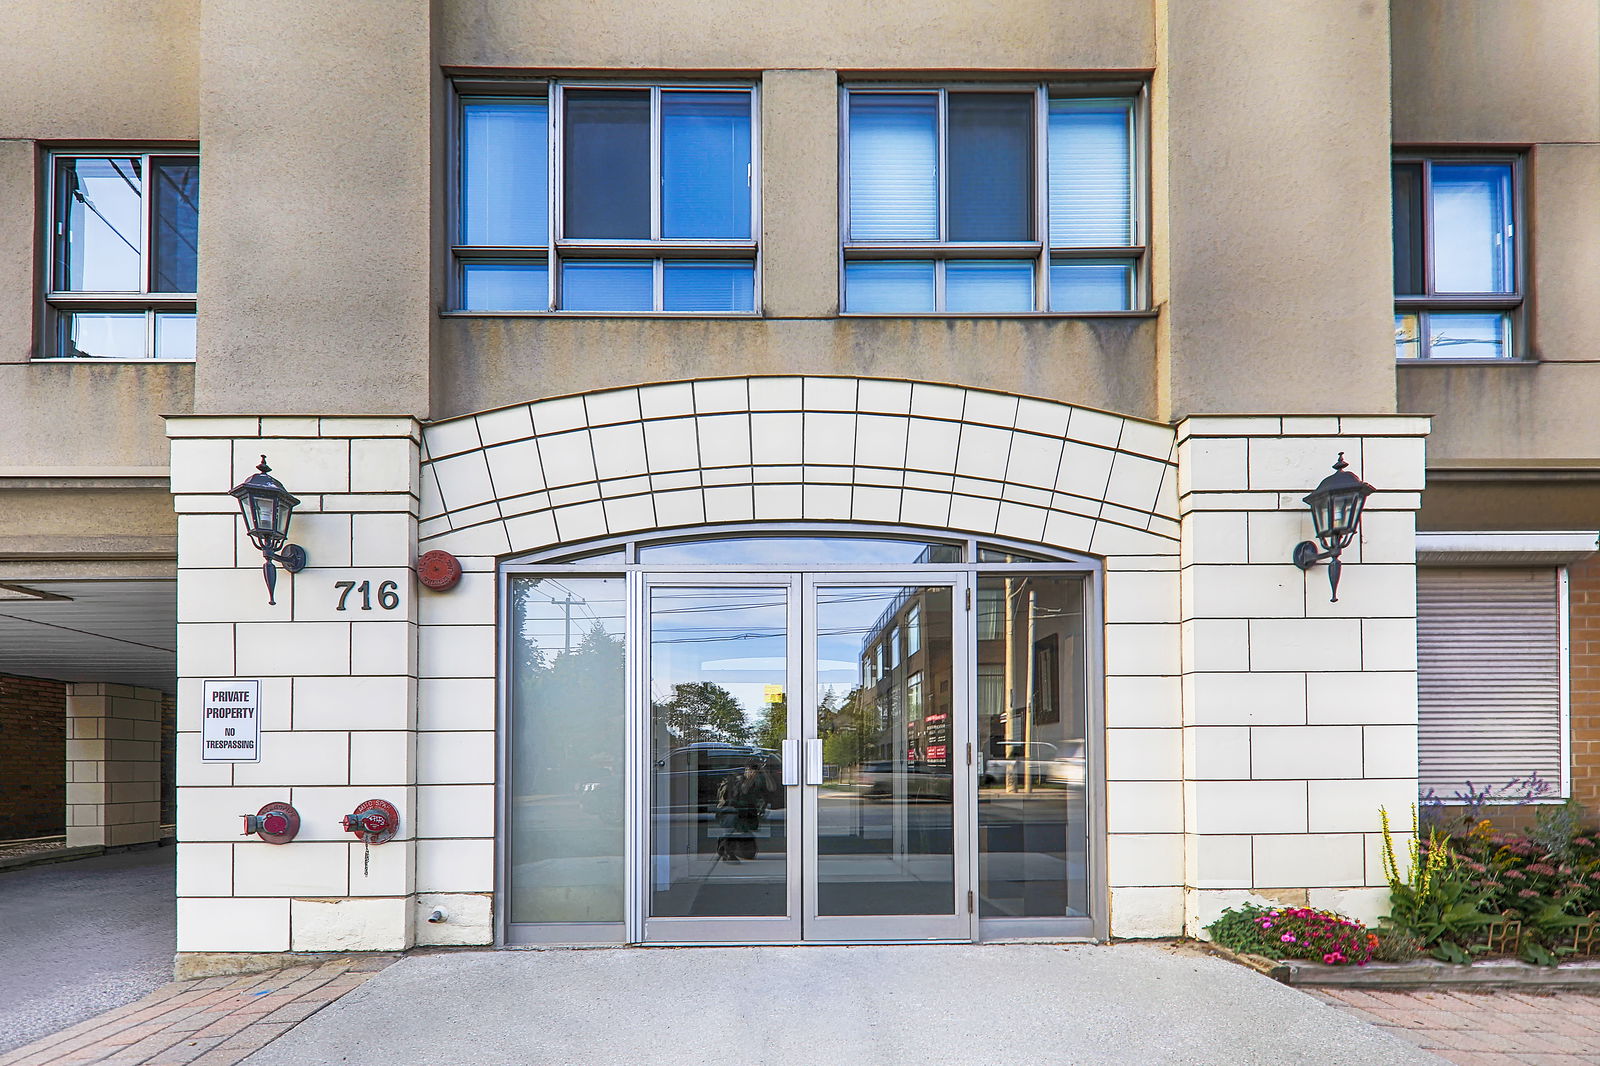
(807, 758)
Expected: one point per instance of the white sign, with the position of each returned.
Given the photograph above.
(230, 723)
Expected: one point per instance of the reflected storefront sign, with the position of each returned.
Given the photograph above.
(791, 737)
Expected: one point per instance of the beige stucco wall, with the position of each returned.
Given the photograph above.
(1475, 74)
(108, 70)
(749, 35)
(116, 71)
(89, 414)
(1271, 184)
(317, 214)
(1493, 72)
(1104, 363)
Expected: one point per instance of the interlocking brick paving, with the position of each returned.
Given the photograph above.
(213, 1021)
(1491, 1028)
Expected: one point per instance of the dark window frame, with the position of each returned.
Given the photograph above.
(1039, 250)
(558, 248)
(1512, 305)
(57, 304)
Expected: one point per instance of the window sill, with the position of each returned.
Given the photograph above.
(1466, 362)
(747, 315)
(110, 359)
(999, 314)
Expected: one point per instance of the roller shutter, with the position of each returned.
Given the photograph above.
(1489, 676)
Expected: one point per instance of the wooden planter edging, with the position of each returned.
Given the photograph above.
(1582, 976)
(1427, 973)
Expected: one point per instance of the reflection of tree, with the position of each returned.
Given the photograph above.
(701, 711)
(774, 724)
(849, 727)
(569, 726)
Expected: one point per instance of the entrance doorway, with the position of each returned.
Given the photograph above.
(840, 814)
(810, 734)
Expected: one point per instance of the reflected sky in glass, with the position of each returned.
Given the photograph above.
(799, 551)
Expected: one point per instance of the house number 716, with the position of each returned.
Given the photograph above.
(388, 594)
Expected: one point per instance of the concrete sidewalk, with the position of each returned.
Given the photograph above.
(922, 1005)
(81, 938)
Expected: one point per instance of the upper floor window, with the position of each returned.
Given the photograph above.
(990, 200)
(607, 198)
(1456, 258)
(122, 255)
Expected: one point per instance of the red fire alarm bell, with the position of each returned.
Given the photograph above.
(438, 570)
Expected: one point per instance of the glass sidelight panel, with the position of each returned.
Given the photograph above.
(566, 804)
(1032, 822)
(886, 806)
(718, 685)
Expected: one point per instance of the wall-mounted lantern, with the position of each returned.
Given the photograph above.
(1336, 513)
(267, 508)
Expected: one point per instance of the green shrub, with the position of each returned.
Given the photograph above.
(1238, 930)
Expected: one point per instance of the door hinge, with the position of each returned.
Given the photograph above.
(969, 753)
(969, 597)
(969, 901)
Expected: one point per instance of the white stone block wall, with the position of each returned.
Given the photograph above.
(338, 688)
(1299, 715)
(560, 471)
(1252, 729)
(113, 764)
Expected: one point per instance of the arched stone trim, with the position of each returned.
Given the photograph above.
(784, 449)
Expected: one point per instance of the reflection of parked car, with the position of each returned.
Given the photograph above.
(888, 780)
(1038, 763)
(688, 778)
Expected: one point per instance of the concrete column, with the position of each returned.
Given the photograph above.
(1270, 153)
(1299, 714)
(336, 658)
(317, 123)
(113, 765)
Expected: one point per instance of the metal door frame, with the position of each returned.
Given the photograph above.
(687, 930)
(570, 560)
(961, 924)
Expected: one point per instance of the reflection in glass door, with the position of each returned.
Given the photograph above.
(719, 864)
(886, 789)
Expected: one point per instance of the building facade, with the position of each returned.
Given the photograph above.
(873, 447)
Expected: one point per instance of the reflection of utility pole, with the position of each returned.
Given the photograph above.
(567, 605)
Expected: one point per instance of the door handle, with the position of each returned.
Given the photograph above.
(791, 762)
(813, 762)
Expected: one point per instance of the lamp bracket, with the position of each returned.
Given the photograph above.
(293, 558)
(1306, 555)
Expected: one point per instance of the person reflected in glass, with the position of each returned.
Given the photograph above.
(742, 802)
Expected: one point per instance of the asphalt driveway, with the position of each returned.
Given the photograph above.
(886, 1005)
(79, 938)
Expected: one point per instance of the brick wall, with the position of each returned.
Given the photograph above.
(33, 780)
(1584, 633)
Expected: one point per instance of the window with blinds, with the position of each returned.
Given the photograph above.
(605, 198)
(991, 199)
(1490, 679)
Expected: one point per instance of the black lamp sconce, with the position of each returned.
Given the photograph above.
(1336, 513)
(267, 508)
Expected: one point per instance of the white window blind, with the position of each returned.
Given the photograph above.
(1489, 677)
(894, 175)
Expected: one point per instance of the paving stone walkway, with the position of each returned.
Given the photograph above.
(1483, 1028)
(213, 1021)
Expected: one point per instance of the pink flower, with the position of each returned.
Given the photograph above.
(1287, 938)
(1528, 893)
